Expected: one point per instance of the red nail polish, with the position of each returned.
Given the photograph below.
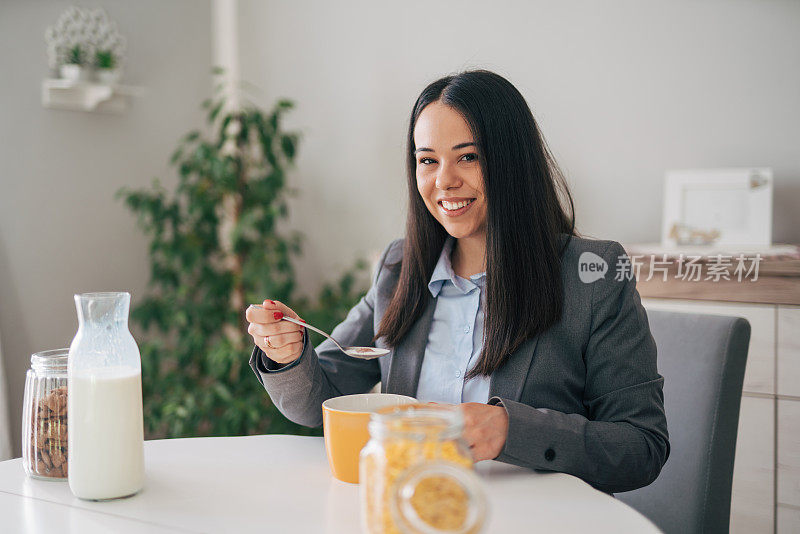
(271, 302)
(278, 315)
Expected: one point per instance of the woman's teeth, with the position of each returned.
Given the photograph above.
(452, 206)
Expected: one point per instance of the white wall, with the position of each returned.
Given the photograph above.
(622, 90)
(61, 231)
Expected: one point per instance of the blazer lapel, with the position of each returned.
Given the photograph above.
(507, 382)
(407, 356)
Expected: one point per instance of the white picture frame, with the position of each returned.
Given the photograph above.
(717, 207)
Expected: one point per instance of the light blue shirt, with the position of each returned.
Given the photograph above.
(456, 336)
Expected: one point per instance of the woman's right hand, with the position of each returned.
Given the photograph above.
(281, 341)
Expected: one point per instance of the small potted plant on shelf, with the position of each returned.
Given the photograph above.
(105, 63)
(73, 69)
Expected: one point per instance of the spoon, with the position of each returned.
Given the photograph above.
(363, 353)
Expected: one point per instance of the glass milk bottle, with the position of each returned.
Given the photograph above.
(106, 438)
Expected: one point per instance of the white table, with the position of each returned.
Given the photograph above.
(283, 484)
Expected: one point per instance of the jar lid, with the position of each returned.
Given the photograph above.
(55, 360)
(418, 421)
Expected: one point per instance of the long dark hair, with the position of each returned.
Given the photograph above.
(523, 188)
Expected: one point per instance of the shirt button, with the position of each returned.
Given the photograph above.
(549, 455)
(466, 329)
(458, 374)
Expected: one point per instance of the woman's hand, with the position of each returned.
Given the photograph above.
(281, 341)
(485, 429)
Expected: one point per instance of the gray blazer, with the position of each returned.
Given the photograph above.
(583, 398)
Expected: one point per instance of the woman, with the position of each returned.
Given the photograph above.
(483, 304)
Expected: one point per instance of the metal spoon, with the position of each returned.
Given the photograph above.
(363, 353)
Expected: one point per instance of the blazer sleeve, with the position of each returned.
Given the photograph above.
(623, 443)
(300, 388)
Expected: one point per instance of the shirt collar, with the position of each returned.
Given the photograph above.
(443, 273)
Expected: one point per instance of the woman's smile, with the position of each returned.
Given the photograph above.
(454, 207)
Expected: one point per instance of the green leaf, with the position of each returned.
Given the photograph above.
(288, 145)
(176, 156)
(212, 115)
(223, 392)
(222, 127)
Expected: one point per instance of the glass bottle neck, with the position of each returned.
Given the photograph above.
(108, 309)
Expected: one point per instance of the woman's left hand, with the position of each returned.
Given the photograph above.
(485, 429)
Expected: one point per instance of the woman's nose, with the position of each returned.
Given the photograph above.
(448, 177)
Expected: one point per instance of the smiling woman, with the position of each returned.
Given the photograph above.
(482, 305)
(478, 165)
(449, 179)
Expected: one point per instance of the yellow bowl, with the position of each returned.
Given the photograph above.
(344, 420)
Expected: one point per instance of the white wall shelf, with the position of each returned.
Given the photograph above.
(86, 96)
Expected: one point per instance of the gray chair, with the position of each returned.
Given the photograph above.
(702, 359)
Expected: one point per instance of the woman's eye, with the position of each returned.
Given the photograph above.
(470, 157)
(426, 161)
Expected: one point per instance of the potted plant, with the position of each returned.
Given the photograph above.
(218, 242)
(73, 69)
(105, 63)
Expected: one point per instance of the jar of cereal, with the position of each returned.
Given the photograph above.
(416, 474)
(44, 416)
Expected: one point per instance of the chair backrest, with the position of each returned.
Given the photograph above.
(702, 359)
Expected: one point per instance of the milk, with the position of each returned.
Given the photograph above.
(106, 457)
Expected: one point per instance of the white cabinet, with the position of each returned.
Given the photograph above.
(766, 475)
(788, 464)
(788, 519)
(789, 452)
(753, 493)
(789, 351)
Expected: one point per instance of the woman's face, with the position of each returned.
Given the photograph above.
(449, 177)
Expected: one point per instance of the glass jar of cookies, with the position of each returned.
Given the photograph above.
(44, 416)
(416, 474)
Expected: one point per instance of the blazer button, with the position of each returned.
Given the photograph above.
(549, 455)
